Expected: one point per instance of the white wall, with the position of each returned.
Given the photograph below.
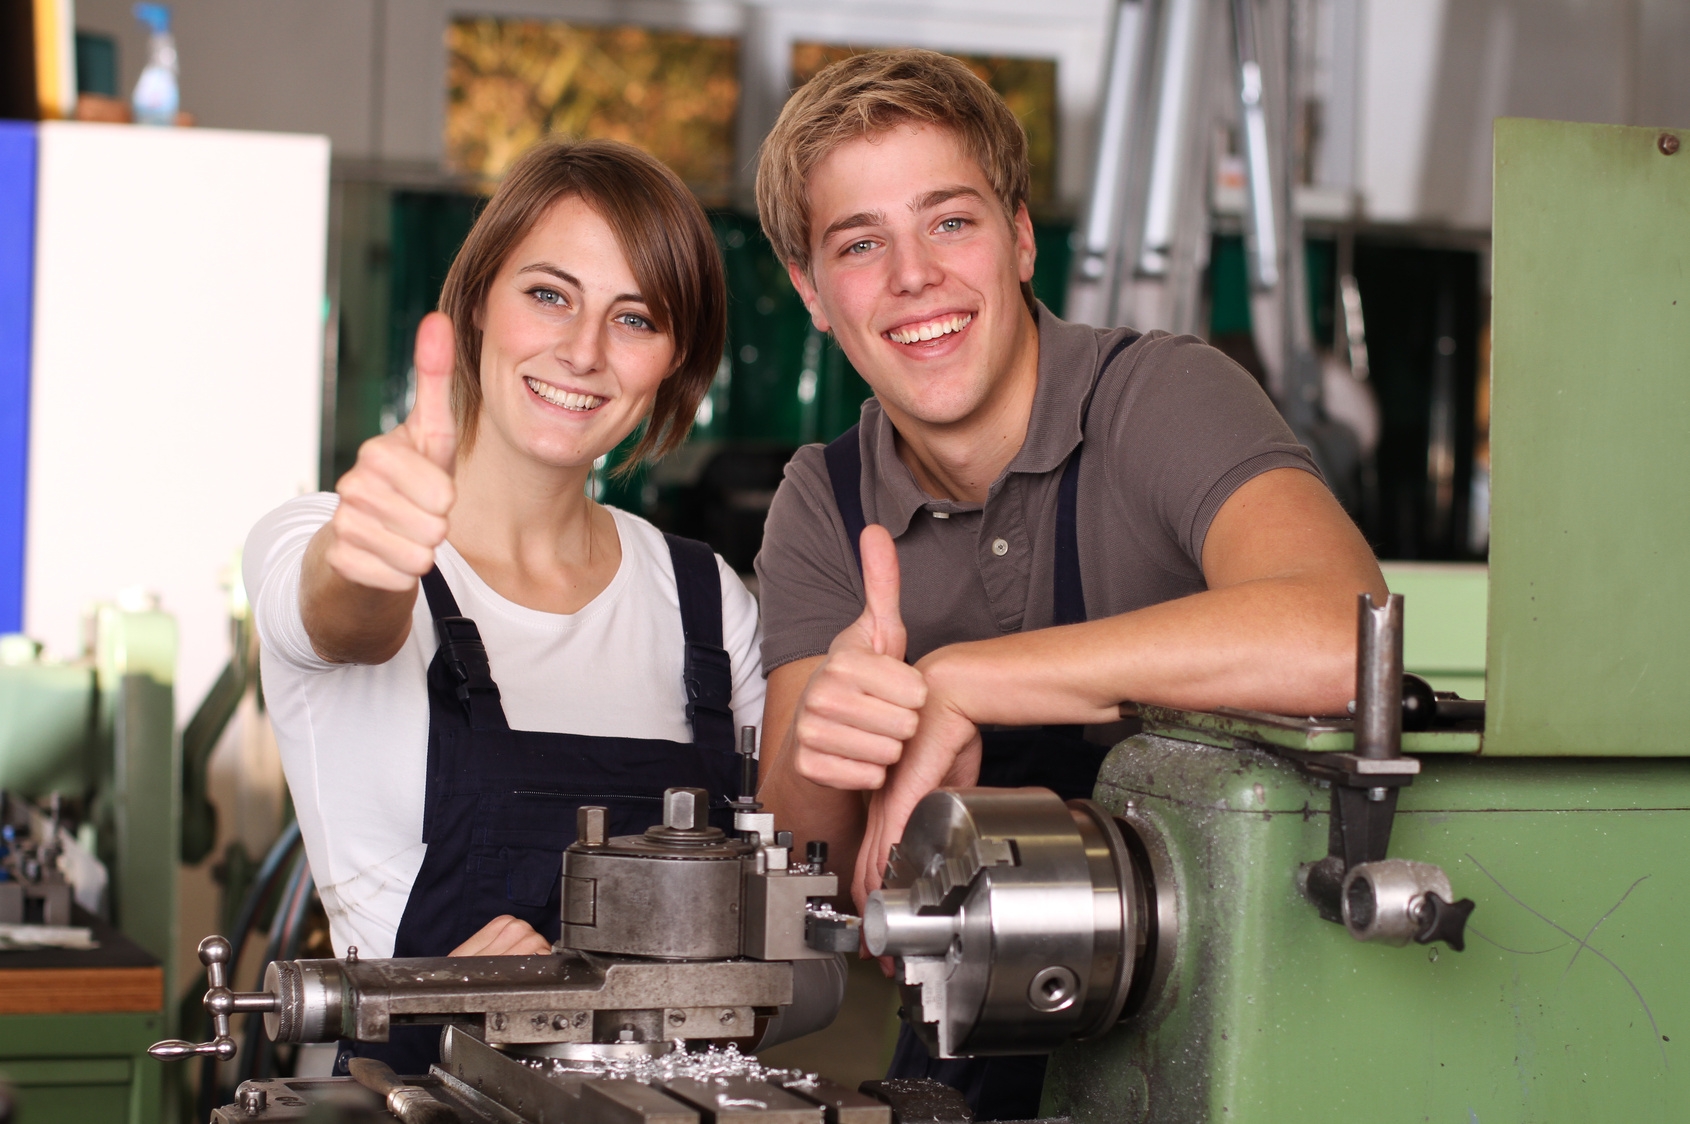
(176, 380)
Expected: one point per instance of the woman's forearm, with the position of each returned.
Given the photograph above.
(348, 622)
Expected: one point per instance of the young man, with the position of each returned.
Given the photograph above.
(1035, 521)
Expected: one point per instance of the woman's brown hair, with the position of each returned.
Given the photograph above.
(669, 247)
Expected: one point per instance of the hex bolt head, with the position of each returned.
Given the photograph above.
(560, 1022)
(685, 809)
(592, 825)
(1667, 143)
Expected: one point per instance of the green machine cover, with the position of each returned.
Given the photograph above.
(1589, 635)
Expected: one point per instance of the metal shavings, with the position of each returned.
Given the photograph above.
(711, 1065)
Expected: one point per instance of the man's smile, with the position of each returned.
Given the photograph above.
(930, 329)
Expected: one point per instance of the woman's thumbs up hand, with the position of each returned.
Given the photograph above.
(395, 500)
(863, 700)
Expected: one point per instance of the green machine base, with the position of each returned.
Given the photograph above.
(1564, 1006)
(91, 1068)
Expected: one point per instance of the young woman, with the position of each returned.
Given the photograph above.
(561, 653)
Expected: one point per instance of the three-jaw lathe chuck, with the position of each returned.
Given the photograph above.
(1018, 921)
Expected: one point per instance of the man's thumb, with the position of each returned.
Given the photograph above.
(431, 424)
(881, 589)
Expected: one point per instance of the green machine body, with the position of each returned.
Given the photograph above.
(1563, 819)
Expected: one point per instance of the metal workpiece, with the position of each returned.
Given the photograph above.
(1017, 922)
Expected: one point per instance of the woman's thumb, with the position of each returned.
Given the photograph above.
(431, 424)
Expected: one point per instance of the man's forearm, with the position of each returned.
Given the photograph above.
(1284, 645)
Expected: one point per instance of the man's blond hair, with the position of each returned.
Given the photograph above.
(866, 95)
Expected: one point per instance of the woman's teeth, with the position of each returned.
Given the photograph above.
(564, 398)
(931, 330)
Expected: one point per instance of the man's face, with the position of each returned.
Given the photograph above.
(918, 273)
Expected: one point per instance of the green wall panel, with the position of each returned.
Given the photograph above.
(1590, 528)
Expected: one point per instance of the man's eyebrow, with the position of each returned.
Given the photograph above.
(851, 222)
(940, 196)
(570, 278)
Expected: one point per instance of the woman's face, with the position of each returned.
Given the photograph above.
(570, 358)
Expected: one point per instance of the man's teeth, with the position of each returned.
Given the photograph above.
(564, 398)
(931, 330)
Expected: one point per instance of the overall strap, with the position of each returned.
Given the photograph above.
(707, 670)
(1069, 597)
(844, 458)
(465, 656)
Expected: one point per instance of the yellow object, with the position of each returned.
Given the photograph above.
(55, 57)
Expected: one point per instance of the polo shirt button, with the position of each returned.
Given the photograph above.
(1000, 547)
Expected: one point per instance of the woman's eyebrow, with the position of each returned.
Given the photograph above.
(547, 267)
(570, 278)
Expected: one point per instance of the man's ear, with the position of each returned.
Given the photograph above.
(807, 294)
(1026, 249)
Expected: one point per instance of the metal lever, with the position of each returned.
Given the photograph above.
(1441, 920)
(409, 1103)
(221, 1002)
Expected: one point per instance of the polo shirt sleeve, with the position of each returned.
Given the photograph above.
(807, 576)
(1190, 427)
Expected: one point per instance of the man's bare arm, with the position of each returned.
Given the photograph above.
(1275, 630)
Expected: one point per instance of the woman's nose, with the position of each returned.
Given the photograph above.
(579, 347)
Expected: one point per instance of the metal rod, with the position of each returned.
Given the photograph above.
(1174, 101)
(1378, 722)
(1263, 217)
(1112, 139)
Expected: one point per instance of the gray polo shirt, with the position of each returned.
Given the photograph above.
(1174, 428)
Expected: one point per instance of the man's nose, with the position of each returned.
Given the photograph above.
(915, 266)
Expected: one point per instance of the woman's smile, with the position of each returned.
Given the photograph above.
(567, 399)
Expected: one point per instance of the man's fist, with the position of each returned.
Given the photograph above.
(395, 500)
(863, 701)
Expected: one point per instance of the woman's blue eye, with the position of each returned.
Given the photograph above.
(547, 296)
(635, 320)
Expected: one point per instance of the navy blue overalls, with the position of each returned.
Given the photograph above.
(500, 803)
(1054, 757)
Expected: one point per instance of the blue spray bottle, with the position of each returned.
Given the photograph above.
(156, 96)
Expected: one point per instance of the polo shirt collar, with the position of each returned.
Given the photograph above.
(1067, 359)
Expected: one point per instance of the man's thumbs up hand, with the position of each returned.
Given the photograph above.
(863, 701)
(395, 500)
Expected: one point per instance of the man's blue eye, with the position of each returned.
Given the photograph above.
(951, 224)
(860, 247)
